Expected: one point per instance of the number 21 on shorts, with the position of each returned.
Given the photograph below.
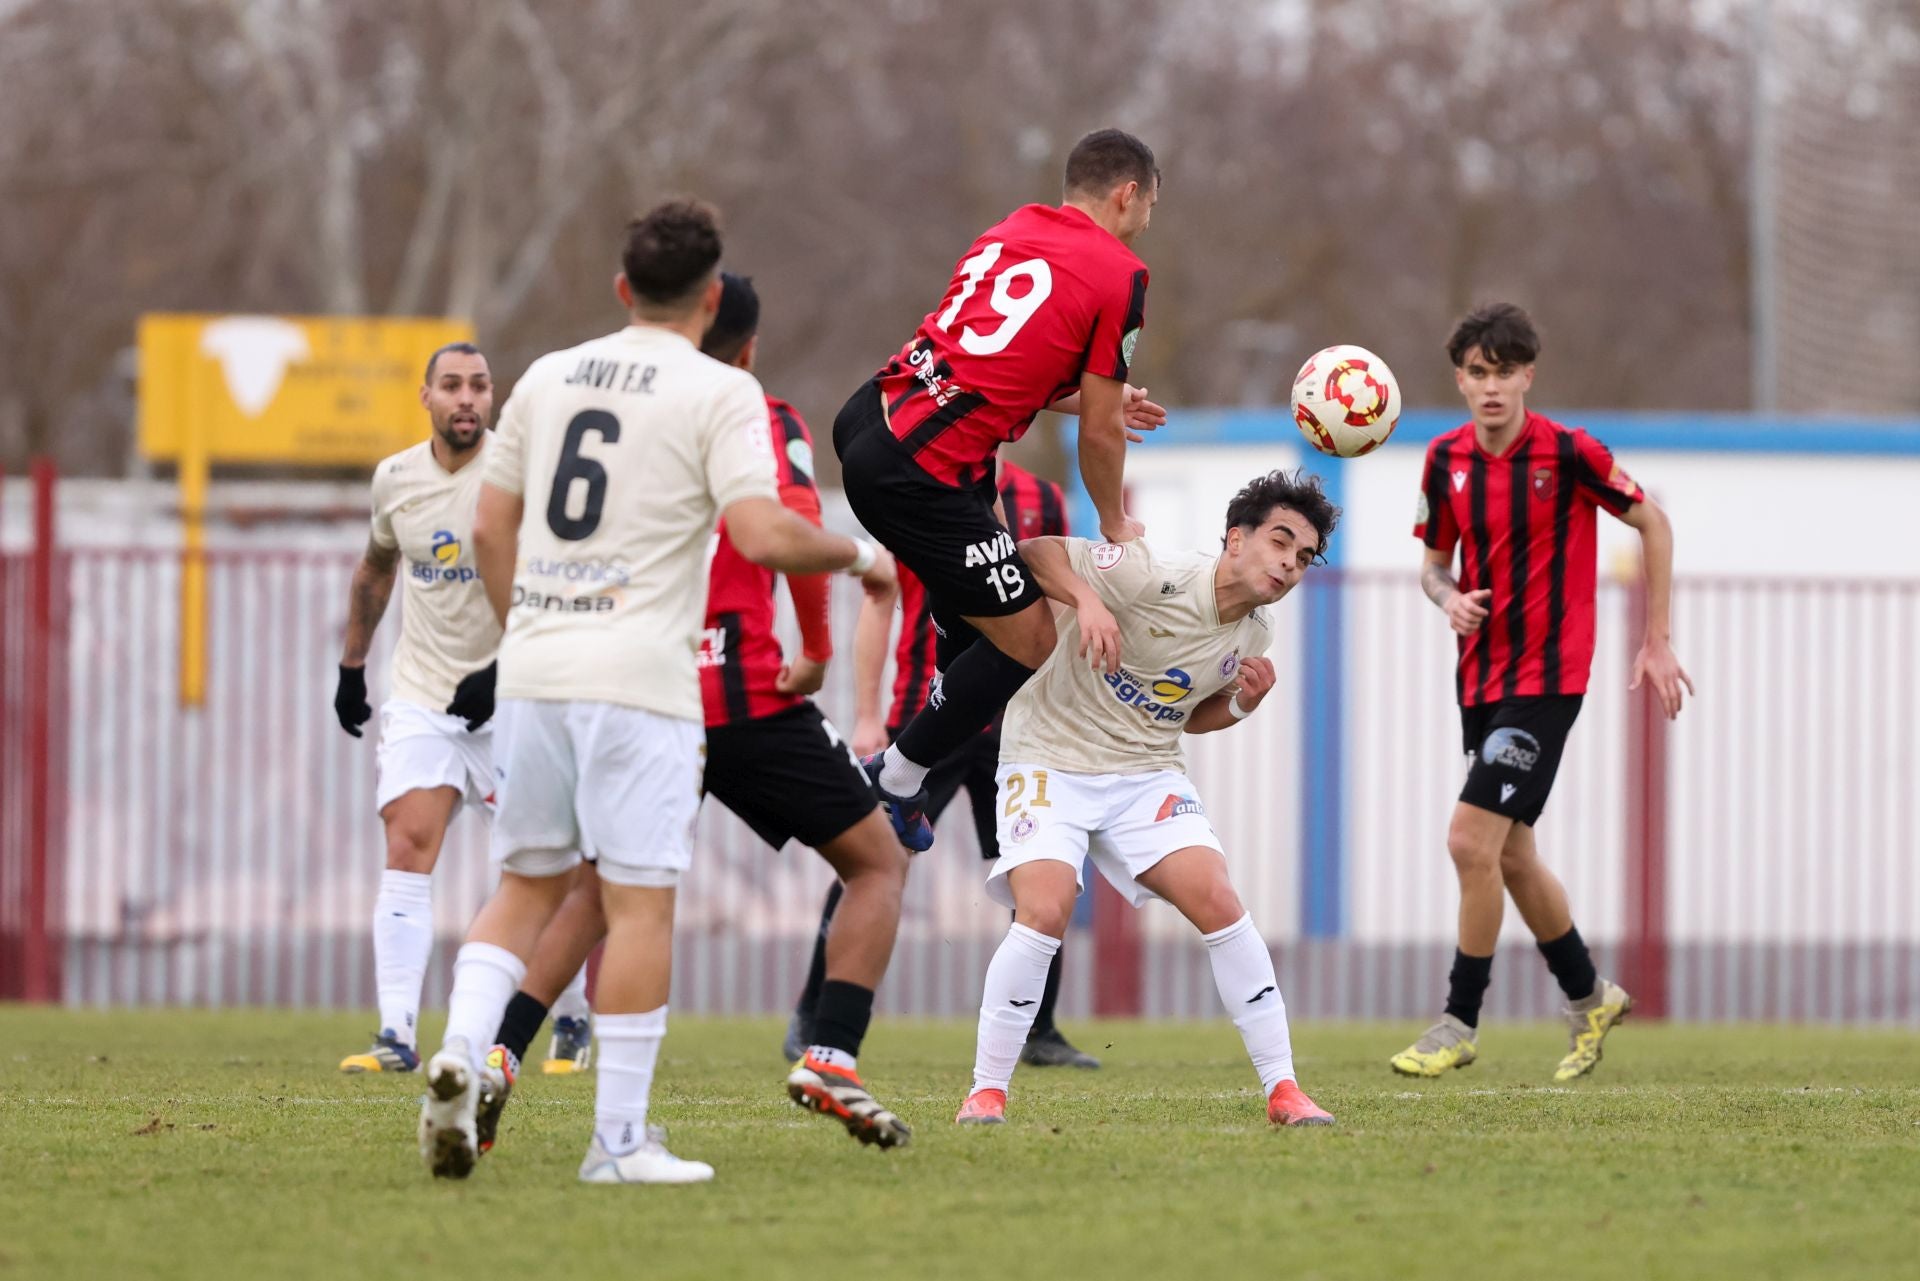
(1017, 788)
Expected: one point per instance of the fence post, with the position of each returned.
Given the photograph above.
(1644, 965)
(39, 971)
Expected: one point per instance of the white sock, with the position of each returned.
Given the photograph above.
(1243, 971)
(900, 776)
(485, 977)
(1016, 980)
(402, 946)
(629, 1047)
(572, 1002)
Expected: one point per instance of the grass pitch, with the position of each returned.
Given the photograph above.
(197, 1144)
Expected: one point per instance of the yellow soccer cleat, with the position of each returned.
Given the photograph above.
(389, 1054)
(571, 1050)
(1588, 1023)
(1447, 1044)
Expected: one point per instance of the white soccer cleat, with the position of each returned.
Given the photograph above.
(449, 1143)
(648, 1163)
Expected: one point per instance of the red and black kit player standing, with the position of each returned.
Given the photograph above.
(1034, 508)
(1043, 312)
(1518, 494)
(778, 763)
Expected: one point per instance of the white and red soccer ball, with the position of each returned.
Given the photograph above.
(1346, 401)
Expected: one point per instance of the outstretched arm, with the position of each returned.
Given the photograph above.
(1656, 661)
(1053, 570)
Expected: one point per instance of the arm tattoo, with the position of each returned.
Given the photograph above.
(1437, 583)
(367, 599)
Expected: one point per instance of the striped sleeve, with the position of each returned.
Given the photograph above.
(1600, 479)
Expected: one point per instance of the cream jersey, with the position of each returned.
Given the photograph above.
(1175, 653)
(447, 629)
(625, 450)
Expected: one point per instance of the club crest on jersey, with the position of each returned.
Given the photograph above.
(1543, 482)
(991, 552)
(1229, 665)
(1107, 555)
(1174, 806)
(1023, 827)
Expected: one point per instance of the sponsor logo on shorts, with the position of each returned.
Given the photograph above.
(1107, 555)
(1175, 805)
(1154, 697)
(992, 552)
(1023, 827)
(1514, 748)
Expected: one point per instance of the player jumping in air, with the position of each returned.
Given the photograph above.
(1517, 493)
(1033, 508)
(780, 765)
(1043, 312)
(430, 763)
(1090, 764)
(613, 462)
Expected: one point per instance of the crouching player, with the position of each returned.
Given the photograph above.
(1090, 764)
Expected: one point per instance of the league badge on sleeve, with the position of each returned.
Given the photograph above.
(1107, 555)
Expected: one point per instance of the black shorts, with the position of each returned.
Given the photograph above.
(1513, 748)
(973, 767)
(945, 534)
(788, 776)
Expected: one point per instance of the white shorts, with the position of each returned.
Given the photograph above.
(619, 784)
(421, 749)
(1127, 822)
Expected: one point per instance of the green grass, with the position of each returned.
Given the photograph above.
(223, 1144)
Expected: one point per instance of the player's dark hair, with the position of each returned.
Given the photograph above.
(671, 250)
(1106, 158)
(1298, 491)
(1501, 331)
(464, 348)
(737, 321)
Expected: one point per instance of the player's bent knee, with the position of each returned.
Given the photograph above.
(1046, 916)
(1472, 855)
(412, 847)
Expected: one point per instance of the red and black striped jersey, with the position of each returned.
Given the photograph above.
(1525, 523)
(1034, 508)
(1043, 296)
(739, 654)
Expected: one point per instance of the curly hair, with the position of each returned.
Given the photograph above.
(1298, 491)
(1502, 332)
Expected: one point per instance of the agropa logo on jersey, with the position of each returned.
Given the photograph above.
(1155, 698)
(447, 568)
(1514, 748)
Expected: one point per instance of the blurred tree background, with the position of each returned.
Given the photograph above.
(1335, 170)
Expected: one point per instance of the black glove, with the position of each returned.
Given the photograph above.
(350, 699)
(473, 697)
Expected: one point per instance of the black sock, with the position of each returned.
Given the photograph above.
(1466, 985)
(1572, 964)
(521, 1023)
(817, 970)
(1050, 997)
(972, 692)
(840, 1021)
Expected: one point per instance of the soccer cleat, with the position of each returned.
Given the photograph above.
(447, 1141)
(496, 1083)
(648, 1163)
(1447, 1044)
(1289, 1105)
(799, 1037)
(571, 1049)
(1050, 1049)
(906, 813)
(838, 1093)
(1588, 1023)
(389, 1054)
(983, 1107)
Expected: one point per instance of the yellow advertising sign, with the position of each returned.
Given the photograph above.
(319, 390)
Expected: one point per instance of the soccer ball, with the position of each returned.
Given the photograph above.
(1346, 401)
